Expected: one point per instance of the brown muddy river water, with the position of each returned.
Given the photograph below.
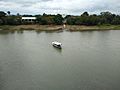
(88, 61)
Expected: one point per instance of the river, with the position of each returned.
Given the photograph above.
(88, 60)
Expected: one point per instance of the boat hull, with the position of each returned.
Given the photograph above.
(56, 46)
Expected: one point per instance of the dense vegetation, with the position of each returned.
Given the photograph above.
(86, 19)
(49, 19)
(7, 19)
(83, 19)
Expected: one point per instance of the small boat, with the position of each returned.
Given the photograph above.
(57, 44)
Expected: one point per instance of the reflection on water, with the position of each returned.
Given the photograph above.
(58, 49)
(88, 60)
(4, 32)
(20, 31)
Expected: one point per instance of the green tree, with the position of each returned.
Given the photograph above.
(58, 19)
(116, 20)
(85, 14)
(71, 20)
(106, 17)
(8, 12)
(2, 14)
(1, 21)
(13, 20)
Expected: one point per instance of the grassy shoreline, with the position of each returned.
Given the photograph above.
(58, 27)
(92, 28)
(31, 27)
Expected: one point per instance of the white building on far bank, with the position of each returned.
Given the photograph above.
(28, 19)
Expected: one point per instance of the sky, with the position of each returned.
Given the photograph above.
(72, 7)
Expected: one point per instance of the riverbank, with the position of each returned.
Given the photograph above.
(58, 27)
(31, 27)
(92, 28)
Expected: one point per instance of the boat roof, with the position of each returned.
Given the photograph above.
(58, 43)
(28, 17)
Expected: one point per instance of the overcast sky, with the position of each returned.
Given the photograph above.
(75, 7)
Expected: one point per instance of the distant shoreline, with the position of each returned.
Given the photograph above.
(58, 27)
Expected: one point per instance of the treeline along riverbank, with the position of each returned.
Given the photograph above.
(105, 20)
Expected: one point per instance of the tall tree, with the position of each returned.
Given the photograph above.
(8, 12)
(58, 19)
(2, 14)
(106, 17)
(85, 14)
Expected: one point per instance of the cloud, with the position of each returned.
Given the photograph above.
(75, 7)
